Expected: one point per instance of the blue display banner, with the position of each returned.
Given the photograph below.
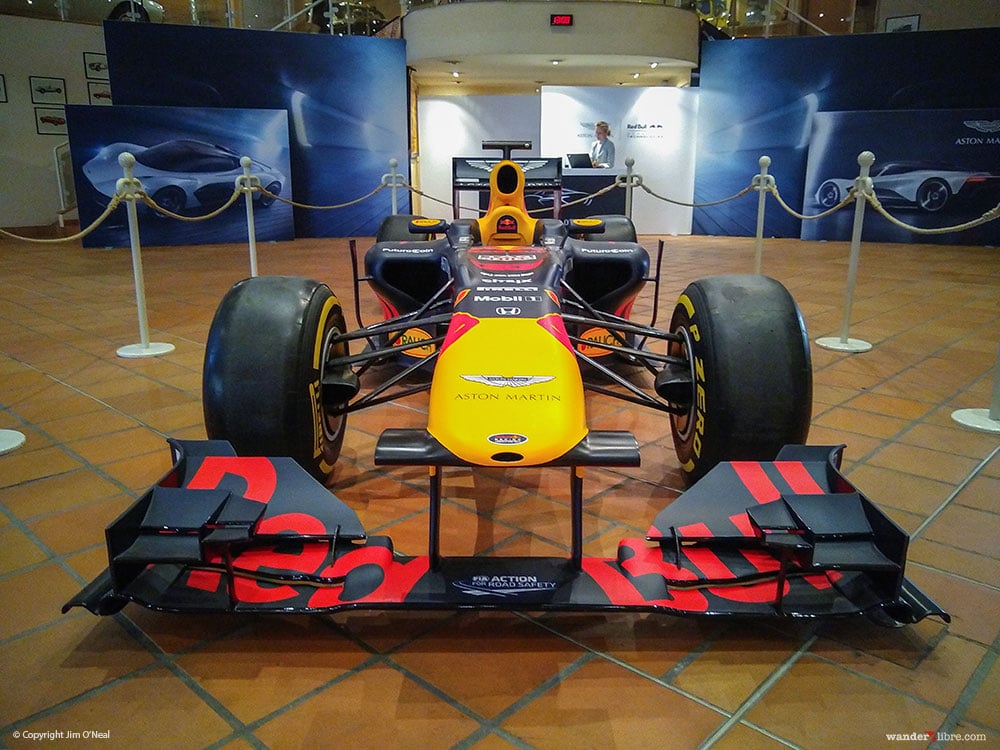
(187, 161)
(345, 98)
(760, 97)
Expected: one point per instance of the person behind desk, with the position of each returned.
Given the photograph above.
(602, 151)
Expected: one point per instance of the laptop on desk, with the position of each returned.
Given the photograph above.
(579, 161)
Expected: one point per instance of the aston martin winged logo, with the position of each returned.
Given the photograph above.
(526, 166)
(983, 126)
(509, 381)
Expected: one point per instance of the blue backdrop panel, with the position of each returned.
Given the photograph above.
(192, 160)
(345, 98)
(759, 97)
(945, 171)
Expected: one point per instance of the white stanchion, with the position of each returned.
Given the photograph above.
(630, 181)
(245, 184)
(129, 187)
(394, 180)
(11, 440)
(761, 183)
(984, 420)
(863, 188)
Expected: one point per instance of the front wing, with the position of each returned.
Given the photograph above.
(789, 538)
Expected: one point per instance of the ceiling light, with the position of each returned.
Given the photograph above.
(556, 62)
(635, 75)
(653, 65)
(455, 74)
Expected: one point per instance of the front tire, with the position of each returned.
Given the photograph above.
(751, 372)
(261, 383)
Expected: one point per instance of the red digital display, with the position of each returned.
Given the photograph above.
(560, 19)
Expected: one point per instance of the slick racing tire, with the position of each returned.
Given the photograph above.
(261, 381)
(396, 228)
(751, 372)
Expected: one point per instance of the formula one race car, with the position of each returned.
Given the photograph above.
(507, 320)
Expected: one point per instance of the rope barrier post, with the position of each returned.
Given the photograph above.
(863, 188)
(629, 163)
(984, 420)
(11, 440)
(394, 180)
(761, 183)
(130, 188)
(245, 184)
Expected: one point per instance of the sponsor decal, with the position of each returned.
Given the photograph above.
(512, 381)
(501, 289)
(507, 224)
(408, 250)
(517, 396)
(597, 336)
(508, 311)
(507, 438)
(503, 586)
(415, 336)
(507, 298)
(506, 257)
(606, 250)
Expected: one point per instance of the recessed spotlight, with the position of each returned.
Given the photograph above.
(455, 74)
(556, 62)
(653, 65)
(635, 75)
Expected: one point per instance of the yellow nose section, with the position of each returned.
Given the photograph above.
(508, 392)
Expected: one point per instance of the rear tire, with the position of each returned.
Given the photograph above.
(751, 368)
(261, 382)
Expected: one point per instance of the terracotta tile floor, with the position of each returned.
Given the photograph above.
(95, 426)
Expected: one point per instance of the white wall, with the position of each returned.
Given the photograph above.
(655, 127)
(29, 192)
(449, 126)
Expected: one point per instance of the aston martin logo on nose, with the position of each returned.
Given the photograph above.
(512, 381)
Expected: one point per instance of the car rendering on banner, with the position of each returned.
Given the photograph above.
(505, 322)
(180, 174)
(88, 11)
(929, 186)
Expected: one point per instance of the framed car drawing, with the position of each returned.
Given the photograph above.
(96, 66)
(47, 90)
(902, 23)
(50, 121)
